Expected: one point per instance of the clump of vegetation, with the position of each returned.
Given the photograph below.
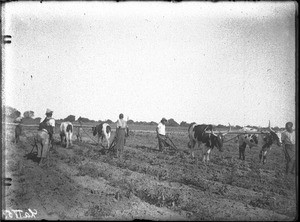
(266, 201)
(88, 169)
(13, 166)
(98, 211)
(232, 176)
(74, 159)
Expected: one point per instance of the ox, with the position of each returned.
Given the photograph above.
(198, 135)
(264, 141)
(66, 133)
(103, 130)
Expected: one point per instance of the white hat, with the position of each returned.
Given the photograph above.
(49, 111)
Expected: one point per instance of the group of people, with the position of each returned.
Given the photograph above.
(47, 129)
(287, 138)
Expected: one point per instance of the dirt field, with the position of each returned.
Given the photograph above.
(84, 182)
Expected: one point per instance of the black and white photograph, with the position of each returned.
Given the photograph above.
(149, 110)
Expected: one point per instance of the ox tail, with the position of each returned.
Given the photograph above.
(108, 129)
(69, 128)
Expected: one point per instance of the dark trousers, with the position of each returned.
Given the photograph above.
(162, 141)
(120, 141)
(289, 153)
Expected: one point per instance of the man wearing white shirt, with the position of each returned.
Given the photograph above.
(288, 140)
(161, 134)
(120, 135)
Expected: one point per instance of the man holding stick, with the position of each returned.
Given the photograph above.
(161, 134)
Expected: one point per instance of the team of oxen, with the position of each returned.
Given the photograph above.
(204, 134)
(198, 134)
(102, 130)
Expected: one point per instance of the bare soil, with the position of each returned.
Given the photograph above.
(85, 182)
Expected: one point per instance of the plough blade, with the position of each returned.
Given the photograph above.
(173, 145)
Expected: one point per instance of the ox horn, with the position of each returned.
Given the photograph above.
(223, 134)
(212, 132)
(228, 130)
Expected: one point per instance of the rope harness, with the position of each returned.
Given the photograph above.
(91, 137)
(231, 139)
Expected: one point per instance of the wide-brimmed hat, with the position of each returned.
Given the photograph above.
(49, 111)
(164, 119)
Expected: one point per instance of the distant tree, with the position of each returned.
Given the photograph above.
(11, 112)
(109, 121)
(28, 114)
(172, 122)
(130, 121)
(70, 118)
(82, 119)
(238, 127)
(184, 124)
(153, 123)
(15, 114)
(38, 119)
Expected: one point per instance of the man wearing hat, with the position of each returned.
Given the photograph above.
(161, 134)
(45, 134)
(288, 140)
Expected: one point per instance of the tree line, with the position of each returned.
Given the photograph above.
(13, 113)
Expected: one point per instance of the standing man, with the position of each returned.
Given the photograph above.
(120, 135)
(18, 129)
(45, 135)
(288, 141)
(161, 134)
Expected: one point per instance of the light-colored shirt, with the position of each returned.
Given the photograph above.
(161, 129)
(121, 123)
(288, 138)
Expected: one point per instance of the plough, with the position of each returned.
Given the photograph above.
(168, 141)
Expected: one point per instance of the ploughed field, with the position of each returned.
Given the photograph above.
(85, 182)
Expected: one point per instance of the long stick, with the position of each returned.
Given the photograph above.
(172, 143)
(231, 139)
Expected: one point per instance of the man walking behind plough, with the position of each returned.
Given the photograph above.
(120, 135)
(161, 134)
(45, 135)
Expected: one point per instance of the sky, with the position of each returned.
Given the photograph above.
(213, 63)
